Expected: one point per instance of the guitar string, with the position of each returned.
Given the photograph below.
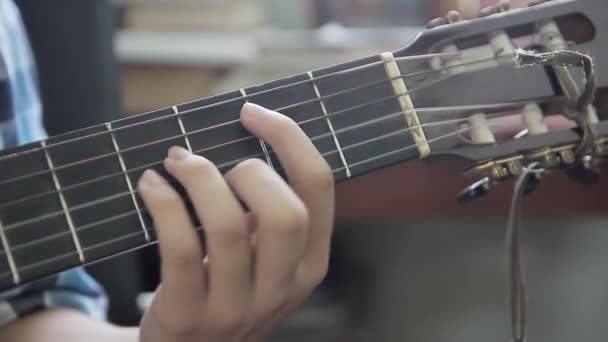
(400, 113)
(47, 216)
(202, 130)
(74, 209)
(237, 99)
(181, 114)
(244, 139)
(107, 242)
(139, 232)
(101, 178)
(87, 226)
(336, 170)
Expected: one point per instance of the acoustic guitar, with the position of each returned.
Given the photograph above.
(70, 200)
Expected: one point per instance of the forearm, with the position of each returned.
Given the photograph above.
(65, 325)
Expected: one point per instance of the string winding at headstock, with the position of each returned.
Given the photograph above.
(486, 80)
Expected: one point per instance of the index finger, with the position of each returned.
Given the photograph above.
(308, 172)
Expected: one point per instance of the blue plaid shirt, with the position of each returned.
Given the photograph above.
(20, 122)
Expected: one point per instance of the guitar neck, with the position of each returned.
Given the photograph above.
(71, 200)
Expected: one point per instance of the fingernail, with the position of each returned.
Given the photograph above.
(178, 153)
(169, 164)
(254, 109)
(152, 178)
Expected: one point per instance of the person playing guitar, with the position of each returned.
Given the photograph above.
(242, 290)
(260, 184)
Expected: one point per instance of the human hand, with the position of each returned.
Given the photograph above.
(260, 264)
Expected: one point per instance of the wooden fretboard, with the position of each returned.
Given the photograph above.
(71, 200)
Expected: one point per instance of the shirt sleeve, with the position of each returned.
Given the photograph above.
(74, 289)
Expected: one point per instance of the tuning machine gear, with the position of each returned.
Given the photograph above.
(485, 185)
(601, 150)
(587, 169)
(503, 6)
(476, 190)
(585, 172)
(450, 18)
(537, 2)
(496, 172)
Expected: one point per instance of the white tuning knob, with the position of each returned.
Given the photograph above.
(450, 18)
(499, 40)
(501, 44)
(503, 6)
(479, 129)
(451, 64)
(532, 117)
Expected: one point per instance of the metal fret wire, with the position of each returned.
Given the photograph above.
(9, 255)
(287, 86)
(332, 152)
(133, 234)
(234, 162)
(244, 97)
(229, 164)
(324, 135)
(77, 185)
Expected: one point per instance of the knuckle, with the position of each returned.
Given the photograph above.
(233, 231)
(175, 325)
(141, 188)
(229, 319)
(196, 166)
(286, 127)
(287, 122)
(316, 277)
(252, 164)
(313, 276)
(162, 196)
(289, 220)
(282, 224)
(168, 198)
(271, 306)
(184, 258)
(248, 166)
(322, 177)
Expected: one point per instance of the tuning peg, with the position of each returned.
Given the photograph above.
(601, 150)
(503, 6)
(586, 172)
(437, 22)
(475, 190)
(452, 17)
(537, 2)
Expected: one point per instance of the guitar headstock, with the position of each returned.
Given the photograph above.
(484, 81)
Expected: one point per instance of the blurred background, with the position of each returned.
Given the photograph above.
(409, 263)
